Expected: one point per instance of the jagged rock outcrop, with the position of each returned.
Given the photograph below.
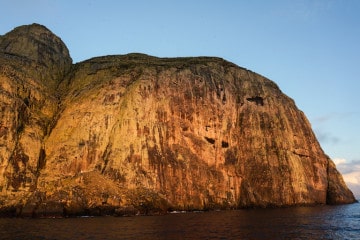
(139, 134)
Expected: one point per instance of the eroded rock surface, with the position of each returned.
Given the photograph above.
(138, 134)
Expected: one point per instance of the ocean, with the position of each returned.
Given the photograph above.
(319, 222)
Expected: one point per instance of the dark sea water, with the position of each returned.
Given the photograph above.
(321, 222)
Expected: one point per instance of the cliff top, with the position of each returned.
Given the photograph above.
(37, 47)
(35, 42)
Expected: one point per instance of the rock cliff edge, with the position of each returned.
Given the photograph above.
(136, 134)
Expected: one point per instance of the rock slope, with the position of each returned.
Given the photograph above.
(137, 134)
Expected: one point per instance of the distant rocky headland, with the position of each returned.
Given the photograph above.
(136, 134)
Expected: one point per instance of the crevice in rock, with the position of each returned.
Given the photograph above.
(105, 157)
(22, 118)
(224, 144)
(257, 100)
(210, 140)
(299, 154)
(41, 160)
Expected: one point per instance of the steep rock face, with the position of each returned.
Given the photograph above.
(31, 66)
(136, 133)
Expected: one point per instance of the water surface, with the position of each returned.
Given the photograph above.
(321, 222)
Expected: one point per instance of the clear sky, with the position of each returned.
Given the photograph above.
(310, 48)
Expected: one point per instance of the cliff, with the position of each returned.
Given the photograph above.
(138, 134)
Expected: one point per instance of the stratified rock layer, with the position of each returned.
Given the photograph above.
(139, 134)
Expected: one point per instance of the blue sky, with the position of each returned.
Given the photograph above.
(310, 48)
